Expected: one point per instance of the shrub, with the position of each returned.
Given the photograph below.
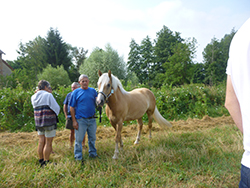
(55, 76)
(190, 101)
(174, 103)
(16, 111)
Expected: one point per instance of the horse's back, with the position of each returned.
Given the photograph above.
(143, 98)
(143, 92)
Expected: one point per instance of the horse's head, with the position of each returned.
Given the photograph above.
(104, 87)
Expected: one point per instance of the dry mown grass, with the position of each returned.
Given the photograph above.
(128, 131)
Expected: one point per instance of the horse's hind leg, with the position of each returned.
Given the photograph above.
(140, 124)
(150, 120)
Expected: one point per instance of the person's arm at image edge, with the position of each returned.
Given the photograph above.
(232, 104)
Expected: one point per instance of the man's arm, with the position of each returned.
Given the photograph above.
(65, 110)
(72, 112)
(232, 104)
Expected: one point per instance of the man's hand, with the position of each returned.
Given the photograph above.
(75, 125)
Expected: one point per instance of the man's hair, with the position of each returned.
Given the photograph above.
(83, 76)
(42, 84)
(75, 83)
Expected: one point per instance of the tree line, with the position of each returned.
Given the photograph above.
(169, 60)
(166, 60)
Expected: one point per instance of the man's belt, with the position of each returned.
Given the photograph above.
(91, 117)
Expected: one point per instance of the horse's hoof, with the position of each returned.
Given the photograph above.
(136, 142)
(115, 157)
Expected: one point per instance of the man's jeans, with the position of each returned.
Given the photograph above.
(245, 177)
(84, 125)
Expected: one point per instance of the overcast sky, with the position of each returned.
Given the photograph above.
(94, 23)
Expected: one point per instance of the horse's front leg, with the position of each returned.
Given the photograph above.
(118, 139)
(140, 124)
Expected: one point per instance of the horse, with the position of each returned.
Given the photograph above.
(126, 106)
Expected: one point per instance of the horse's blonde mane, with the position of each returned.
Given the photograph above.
(116, 83)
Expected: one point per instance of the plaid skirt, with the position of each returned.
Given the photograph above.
(45, 118)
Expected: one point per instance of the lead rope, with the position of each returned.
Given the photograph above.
(100, 113)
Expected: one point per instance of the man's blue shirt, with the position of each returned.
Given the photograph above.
(83, 100)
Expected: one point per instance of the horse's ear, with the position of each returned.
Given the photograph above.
(109, 73)
(110, 77)
(99, 73)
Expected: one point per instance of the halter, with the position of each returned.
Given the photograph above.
(107, 96)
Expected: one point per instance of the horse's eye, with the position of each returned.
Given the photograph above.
(108, 85)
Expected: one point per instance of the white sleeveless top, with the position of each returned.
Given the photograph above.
(238, 68)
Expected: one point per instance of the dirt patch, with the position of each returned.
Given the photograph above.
(128, 131)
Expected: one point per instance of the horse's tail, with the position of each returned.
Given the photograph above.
(160, 120)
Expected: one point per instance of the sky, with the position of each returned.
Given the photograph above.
(95, 23)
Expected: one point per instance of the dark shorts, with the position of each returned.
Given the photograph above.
(69, 124)
(245, 177)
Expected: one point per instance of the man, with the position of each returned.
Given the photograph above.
(66, 110)
(238, 93)
(46, 111)
(82, 109)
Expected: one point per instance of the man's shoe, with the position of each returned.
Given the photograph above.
(93, 156)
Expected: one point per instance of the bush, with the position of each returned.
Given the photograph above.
(16, 111)
(55, 76)
(191, 101)
(174, 103)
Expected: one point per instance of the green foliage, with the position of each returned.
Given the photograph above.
(134, 61)
(22, 77)
(191, 101)
(103, 60)
(78, 56)
(179, 66)
(215, 59)
(164, 43)
(55, 76)
(57, 50)
(33, 55)
(174, 103)
(37, 54)
(16, 112)
(199, 73)
(169, 60)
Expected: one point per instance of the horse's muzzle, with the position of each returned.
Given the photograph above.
(99, 101)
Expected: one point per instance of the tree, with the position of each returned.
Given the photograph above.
(55, 76)
(179, 66)
(146, 60)
(215, 57)
(164, 44)
(134, 59)
(199, 73)
(77, 56)
(57, 50)
(104, 60)
(33, 55)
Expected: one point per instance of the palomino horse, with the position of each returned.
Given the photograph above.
(125, 106)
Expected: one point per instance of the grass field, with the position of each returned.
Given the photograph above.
(194, 153)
